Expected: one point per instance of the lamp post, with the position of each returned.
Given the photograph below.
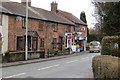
(26, 49)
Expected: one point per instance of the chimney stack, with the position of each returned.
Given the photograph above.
(24, 2)
(54, 6)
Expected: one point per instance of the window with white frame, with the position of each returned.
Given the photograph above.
(23, 22)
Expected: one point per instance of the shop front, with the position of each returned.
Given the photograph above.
(80, 42)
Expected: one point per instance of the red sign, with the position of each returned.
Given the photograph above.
(70, 37)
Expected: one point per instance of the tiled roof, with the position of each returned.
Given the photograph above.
(51, 16)
(37, 13)
(71, 17)
(16, 9)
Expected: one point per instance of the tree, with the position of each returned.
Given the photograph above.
(111, 21)
(108, 15)
(83, 17)
(93, 35)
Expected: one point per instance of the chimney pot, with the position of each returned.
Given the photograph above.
(54, 6)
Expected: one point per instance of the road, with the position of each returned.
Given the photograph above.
(70, 67)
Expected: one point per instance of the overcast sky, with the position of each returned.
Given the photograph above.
(73, 6)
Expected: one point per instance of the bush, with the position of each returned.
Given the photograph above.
(110, 46)
(105, 66)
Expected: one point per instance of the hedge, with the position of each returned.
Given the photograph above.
(110, 46)
(106, 66)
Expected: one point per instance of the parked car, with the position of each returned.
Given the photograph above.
(94, 46)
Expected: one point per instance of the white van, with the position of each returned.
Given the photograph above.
(94, 46)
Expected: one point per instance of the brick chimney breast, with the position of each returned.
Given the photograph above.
(54, 6)
(24, 2)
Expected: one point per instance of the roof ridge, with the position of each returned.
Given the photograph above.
(52, 13)
(74, 18)
(35, 12)
(65, 12)
(38, 8)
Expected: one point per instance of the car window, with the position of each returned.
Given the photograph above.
(93, 44)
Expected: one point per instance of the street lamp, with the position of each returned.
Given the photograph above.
(26, 49)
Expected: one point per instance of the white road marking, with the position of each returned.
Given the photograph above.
(78, 60)
(49, 67)
(72, 61)
(15, 75)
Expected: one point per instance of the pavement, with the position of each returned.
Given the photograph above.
(39, 60)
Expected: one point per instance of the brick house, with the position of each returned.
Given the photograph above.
(46, 29)
(80, 27)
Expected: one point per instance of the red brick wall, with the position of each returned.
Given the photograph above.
(48, 36)
(84, 32)
(72, 29)
(53, 34)
(15, 29)
(61, 31)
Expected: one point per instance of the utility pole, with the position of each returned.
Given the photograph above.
(26, 50)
